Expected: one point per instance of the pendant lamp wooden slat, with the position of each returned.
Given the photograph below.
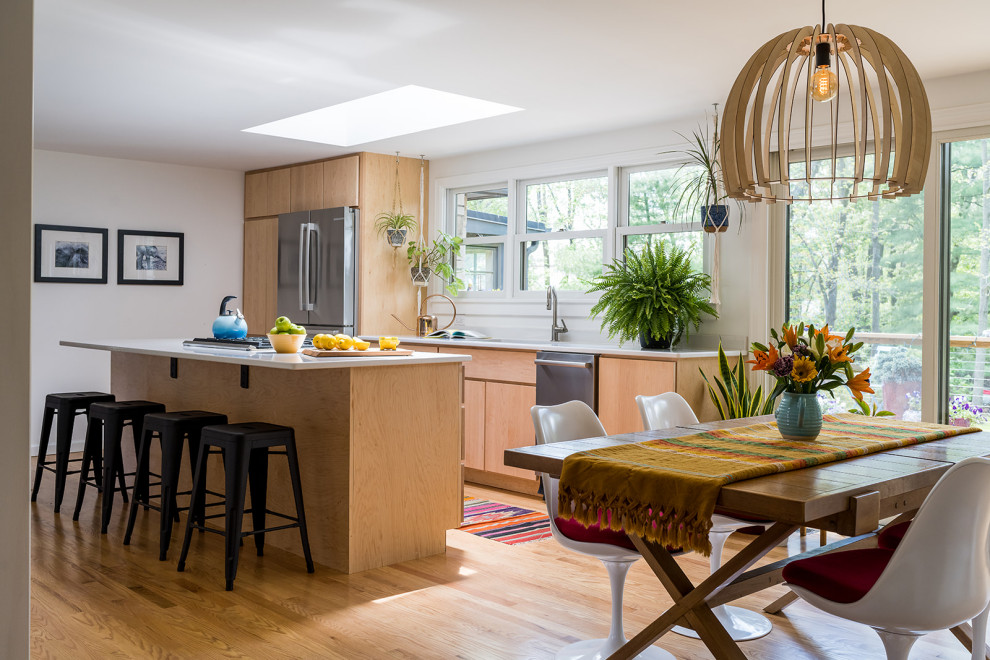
(878, 93)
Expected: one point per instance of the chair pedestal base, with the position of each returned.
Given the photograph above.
(897, 645)
(741, 624)
(596, 649)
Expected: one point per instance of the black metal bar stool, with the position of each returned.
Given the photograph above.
(246, 448)
(66, 405)
(172, 429)
(111, 418)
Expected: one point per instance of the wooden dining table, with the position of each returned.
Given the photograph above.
(849, 497)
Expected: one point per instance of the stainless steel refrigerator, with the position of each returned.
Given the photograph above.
(317, 269)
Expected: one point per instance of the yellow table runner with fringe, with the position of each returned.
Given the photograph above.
(665, 489)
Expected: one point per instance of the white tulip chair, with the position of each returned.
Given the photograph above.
(574, 420)
(665, 411)
(938, 576)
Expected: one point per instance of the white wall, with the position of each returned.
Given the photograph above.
(16, 54)
(70, 189)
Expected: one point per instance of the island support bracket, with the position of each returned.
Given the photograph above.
(245, 380)
(173, 367)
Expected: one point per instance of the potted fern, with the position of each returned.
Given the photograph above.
(653, 295)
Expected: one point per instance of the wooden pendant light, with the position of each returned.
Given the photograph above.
(880, 98)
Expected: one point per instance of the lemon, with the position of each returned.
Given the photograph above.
(361, 345)
(329, 342)
(319, 342)
(344, 342)
(388, 343)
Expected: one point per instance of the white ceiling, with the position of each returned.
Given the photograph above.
(176, 80)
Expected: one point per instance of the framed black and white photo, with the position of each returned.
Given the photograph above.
(149, 257)
(70, 254)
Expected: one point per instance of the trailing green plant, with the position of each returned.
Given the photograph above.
(394, 220)
(863, 408)
(731, 393)
(438, 256)
(653, 292)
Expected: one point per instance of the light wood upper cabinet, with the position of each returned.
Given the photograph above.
(306, 187)
(620, 380)
(340, 182)
(279, 191)
(474, 424)
(266, 193)
(260, 273)
(508, 424)
(255, 194)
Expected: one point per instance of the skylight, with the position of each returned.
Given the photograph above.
(400, 111)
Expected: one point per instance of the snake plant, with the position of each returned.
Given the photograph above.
(731, 393)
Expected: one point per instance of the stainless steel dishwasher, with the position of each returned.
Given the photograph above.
(564, 377)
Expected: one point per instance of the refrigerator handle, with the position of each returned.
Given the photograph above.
(303, 257)
(314, 269)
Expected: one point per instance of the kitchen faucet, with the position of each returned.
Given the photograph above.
(555, 330)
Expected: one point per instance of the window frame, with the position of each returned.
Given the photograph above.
(613, 235)
(450, 219)
(522, 237)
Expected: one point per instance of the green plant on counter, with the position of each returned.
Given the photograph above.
(653, 293)
(731, 393)
(394, 220)
(863, 408)
(437, 257)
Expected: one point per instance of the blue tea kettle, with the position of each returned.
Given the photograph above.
(229, 325)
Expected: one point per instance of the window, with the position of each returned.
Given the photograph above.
(522, 236)
(859, 264)
(563, 243)
(481, 218)
(650, 210)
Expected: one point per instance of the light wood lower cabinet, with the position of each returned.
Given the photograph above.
(620, 381)
(474, 424)
(508, 424)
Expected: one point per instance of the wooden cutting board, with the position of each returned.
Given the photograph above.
(371, 352)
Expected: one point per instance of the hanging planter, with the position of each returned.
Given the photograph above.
(395, 224)
(420, 275)
(715, 218)
(396, 236)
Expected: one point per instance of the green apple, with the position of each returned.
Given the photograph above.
(297, 330)
(283, 323)
(273, 331)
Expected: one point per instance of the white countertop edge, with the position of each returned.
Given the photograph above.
(567, 347)
(173, 348)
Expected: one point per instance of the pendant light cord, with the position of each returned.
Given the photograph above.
(823, 15)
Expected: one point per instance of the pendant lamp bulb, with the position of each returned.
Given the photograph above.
(824, 83)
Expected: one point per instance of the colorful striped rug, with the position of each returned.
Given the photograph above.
(507, 524)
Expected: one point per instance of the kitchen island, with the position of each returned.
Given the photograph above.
(378, 438)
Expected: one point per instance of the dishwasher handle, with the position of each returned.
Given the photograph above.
(560, 363)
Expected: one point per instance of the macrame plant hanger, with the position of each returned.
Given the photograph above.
(422, 168)
(396, 198)
(714, 299)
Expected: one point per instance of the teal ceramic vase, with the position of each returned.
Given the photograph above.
(799, 417)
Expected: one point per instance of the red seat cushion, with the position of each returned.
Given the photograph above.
(575, 531)
(841, 577)
(890, 536)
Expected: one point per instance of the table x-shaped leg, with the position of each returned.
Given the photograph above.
(690, 602)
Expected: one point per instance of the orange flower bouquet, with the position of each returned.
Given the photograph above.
(806, 360)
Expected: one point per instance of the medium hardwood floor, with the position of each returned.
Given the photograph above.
(93, 597)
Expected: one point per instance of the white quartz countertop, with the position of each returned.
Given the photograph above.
(173, 348)
(568, 347)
